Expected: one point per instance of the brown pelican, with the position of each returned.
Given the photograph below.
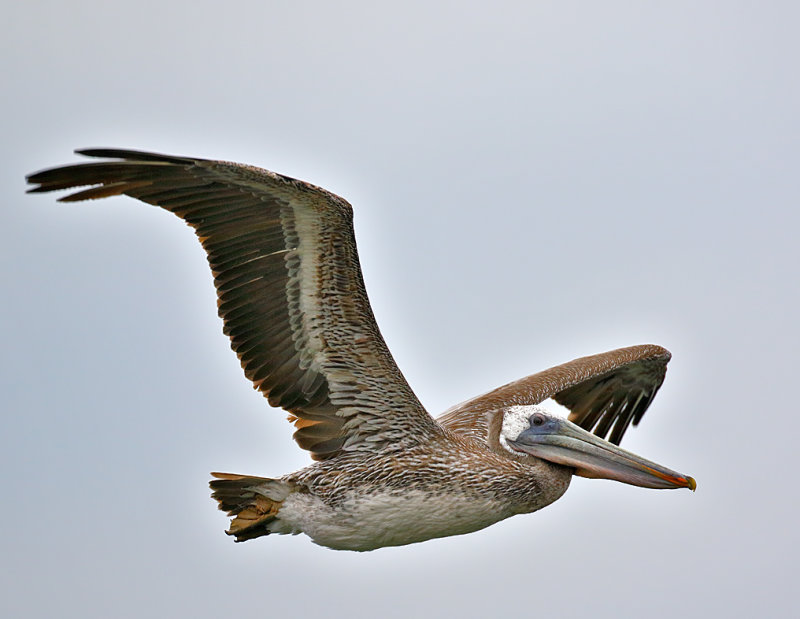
(292, 300)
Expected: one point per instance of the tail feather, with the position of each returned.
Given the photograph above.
(253, 502)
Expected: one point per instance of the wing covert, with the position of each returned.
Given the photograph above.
(604, 393)
(289, 286)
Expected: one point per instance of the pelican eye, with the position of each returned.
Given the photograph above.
(538, 419)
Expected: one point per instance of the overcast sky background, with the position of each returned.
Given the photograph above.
(532, 182)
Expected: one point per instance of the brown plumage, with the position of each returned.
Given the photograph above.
(614, 387)
(293, 302)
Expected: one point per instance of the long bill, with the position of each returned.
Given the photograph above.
(562, 442)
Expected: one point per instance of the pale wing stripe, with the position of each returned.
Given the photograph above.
(290, 291)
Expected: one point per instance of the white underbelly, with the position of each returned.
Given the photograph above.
(366, 522)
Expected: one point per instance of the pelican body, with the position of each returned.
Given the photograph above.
(385, 473)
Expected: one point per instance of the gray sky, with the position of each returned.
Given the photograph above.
(531, 183)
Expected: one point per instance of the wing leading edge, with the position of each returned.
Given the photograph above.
(289, 286)
(604, 393)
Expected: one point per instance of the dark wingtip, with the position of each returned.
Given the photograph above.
(133, 155)
(107, 173)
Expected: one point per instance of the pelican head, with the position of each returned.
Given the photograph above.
(534, 431)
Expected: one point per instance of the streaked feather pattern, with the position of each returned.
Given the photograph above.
(290, 290)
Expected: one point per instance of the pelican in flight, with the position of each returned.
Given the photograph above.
(385, 473)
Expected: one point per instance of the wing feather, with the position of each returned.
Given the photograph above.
(289, 286)
(605, 392)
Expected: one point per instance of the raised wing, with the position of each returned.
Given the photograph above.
(603, 392)
(290, 291)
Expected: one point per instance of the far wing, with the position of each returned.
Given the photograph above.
(605, 392)
(289, 286)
